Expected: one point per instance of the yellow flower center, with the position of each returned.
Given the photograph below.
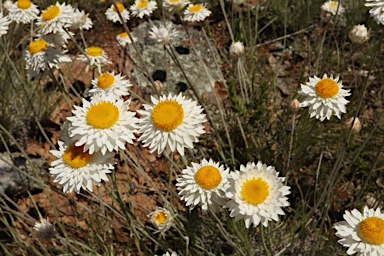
(103, 115)
(173, 1)
(372, 230)
(255, 191)
(51, 12)
(196, 7)
(327, 88)
(161, 217)
(142, 4)
(76, 157)
(333, 4)
(105, 81)
(120, 6)
(94, 51)
(24, 4)
(124, 34)
(38, 45)
(168, 115)
(208, 177)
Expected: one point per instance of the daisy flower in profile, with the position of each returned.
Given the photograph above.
(175, 5)
(44, 229)
(109, 84)
(95, 57)
(359, 34)
(123, 39)
(40, 56)
(196, 12)
(103, 124)
(332, 7)
(55, 17)
(143, 7)
(163, 34)
(325, 97)
(161, 218)
(4, 23)
(112, 14)
(75, 168)
(256, 194)
(362, 233)
(81, 21)
(204, 184)
(23, 11)
(171, 123)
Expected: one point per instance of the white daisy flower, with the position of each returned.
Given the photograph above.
(204, 184)
(81, 21)
(143, 7)
(112, 14)
(109, 84)
(325, 97)
(379, 18)
(75, 168)
(377, 7)
(103, 124)
(257, 194)
(95, 57)
(196, 12)
(4, 23)
(55, 17)
(44, 229)
(123, 39)
(161, 218)
(169, 254)
(40, 56)
(175, 5)
(171, 123)
(163, 34)
(23, 11)
(333, 7)
(236, 49)
(362, 233)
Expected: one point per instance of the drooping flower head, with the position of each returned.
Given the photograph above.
(324, 97)
(196, 12)
(55, 18)
(23, 11)
(109, 84)
(204, 184)
(95, 57)
(44, 229)
(161, 218)
(40, 56)
(143, 7)
(175, 5)
(103, 124)
(257, 194)
(123, 39)
(171, 123)
(75, 168)
(236, 49)
(112, 14)
(362, 233)
(163, 34)
(81, 21)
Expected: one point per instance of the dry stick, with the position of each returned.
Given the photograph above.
(149, 77)
(210, 120)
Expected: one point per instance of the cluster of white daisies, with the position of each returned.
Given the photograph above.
(104, 125)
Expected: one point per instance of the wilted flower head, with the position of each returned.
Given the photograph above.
(236, 49)
(359, 34)
(356, 125)
(44, 229)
